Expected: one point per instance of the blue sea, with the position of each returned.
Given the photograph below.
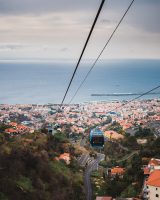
(46, 82)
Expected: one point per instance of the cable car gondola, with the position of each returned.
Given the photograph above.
(96, 138)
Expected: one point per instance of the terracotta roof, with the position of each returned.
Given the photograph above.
(117, 170)
(154, 179)
(155, 162)
(22, 127)
(103, 198)
(10, 130)
(13, 124)
(65, 157)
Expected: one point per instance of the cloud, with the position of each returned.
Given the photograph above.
(106, 21)
(22, 47)
(144, 14)
(46, 28)
(64, 49)
(43, 6)
(4, 46)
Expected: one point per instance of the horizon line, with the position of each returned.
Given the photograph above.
(70, 60)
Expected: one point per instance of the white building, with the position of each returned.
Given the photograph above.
(152, 186)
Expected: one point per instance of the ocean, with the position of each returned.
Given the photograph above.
(46, 82)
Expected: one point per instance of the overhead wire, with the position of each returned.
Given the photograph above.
(83, 50)
(128, 102)
(108, 41)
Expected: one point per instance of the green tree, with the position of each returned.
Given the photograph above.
(129, 192)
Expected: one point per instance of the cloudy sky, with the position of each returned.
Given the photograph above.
(57, 29)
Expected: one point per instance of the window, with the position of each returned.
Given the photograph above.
(157, 195)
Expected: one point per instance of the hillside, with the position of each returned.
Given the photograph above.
(30, 170)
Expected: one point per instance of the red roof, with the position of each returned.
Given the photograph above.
(22, 127)
(104, 198)
(154, 179)
(117, 170)
(154, 162)
(64, 155)
(13, 124)
(10, 130)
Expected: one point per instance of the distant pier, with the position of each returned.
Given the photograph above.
(123, 94)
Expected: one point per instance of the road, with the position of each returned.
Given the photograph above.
(83, 142)
(93, 165)
(83, 160)
(128, 156)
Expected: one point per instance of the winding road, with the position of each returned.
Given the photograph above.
(91, 167)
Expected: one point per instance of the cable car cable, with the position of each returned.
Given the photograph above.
(98, 140)
(86, 43)
(145, 93)
(108, 41)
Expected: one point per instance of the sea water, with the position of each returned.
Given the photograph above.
(46, 82)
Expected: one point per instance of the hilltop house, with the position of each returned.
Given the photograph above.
(116, 171)
(154, 164)
(66, 157)
(151, 190)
